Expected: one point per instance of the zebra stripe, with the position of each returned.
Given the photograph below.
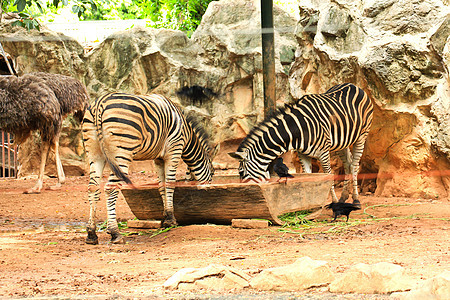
(119, 128)
(314, 126)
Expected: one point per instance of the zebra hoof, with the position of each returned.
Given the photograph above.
(92, 238)
(169, 223)
(117, 238)
(32, 191)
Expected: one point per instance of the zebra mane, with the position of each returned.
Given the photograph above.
(261, 126)
(198, 129)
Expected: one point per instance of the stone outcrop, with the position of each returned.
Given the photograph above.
(224, 55)
(304, 273)
(397, 51)
(211, 278)
(437, 287)
(380, 278)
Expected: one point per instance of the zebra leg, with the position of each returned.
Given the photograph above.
(324, 160)
(95, 176)
(306, 163)
(112, 192)
(166, 170)
(347, 159)
(358, 149)
(97, 163)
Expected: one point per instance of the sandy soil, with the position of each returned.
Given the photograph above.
(43, 254)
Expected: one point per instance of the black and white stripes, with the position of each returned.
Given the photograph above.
(119, 128)
(314, 126)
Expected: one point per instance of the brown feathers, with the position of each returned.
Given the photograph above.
(39, 101)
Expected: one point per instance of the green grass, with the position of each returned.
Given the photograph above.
(296, 219)
(103, 226)
(297, 222)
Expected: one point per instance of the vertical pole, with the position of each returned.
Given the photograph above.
(3, 155)
(9, 155)
(16, 150)
(268, 56)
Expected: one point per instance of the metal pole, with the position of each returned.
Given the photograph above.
(268, 56)
(3, 155)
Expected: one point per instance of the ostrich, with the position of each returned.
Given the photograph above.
(40, 102)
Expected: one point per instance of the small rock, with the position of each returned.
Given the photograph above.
(249, 223)
(435, 288)
(147, 224)
(302, 274)
(382, 277)
(212, 277)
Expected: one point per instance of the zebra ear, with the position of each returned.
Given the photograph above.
(237, 155)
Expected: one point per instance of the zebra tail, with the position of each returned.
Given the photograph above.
(115, 168)
(108, 157)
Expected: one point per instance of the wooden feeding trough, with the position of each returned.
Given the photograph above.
(226, 199)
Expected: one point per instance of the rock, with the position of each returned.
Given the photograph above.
(379, 278)
(249, 223)
(435, 288)
(302, 274)
(223, 55)
(212, 277)
(398, 52)
(44, 51)
(149, 224)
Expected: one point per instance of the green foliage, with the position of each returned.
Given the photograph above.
(81, 6)
(27, 22)
(183, 15)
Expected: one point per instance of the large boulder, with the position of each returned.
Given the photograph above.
(397, 51)
(304, 273)
(380, 278)
(223, 55)
(211, 278)
(437, 287)
(43, 51)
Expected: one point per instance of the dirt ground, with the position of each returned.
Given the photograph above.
(43, 253)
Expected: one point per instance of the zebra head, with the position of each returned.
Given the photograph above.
(202, 169)
(249, 169)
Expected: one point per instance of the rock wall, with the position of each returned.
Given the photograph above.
(397, 51)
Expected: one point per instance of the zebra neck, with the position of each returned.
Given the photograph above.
(194, 153)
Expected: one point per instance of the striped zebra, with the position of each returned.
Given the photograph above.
(314, 126)
(119, 128)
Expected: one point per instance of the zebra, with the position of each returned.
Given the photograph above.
(314, 126)
(119, 128)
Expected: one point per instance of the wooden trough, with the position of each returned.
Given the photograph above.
(226, 199)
